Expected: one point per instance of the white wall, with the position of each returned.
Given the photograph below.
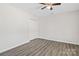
(62, 27)
(33, 29)
(16, 27)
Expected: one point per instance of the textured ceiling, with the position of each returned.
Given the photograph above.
(35, 8)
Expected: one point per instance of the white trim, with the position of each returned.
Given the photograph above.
(60, 41)
(13, 46)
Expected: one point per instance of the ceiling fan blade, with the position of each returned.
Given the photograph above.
(56, 4)
(43, 7)
(43, 3)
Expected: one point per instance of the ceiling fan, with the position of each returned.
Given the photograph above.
(49, 5)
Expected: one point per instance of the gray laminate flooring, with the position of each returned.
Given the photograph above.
(42, 47)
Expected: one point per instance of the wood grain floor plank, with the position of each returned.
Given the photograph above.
(43, 47)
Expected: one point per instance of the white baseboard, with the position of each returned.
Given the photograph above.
(39, 37)
(71, 42)
(13, 47)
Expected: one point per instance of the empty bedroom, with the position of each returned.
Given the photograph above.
(39, 29)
